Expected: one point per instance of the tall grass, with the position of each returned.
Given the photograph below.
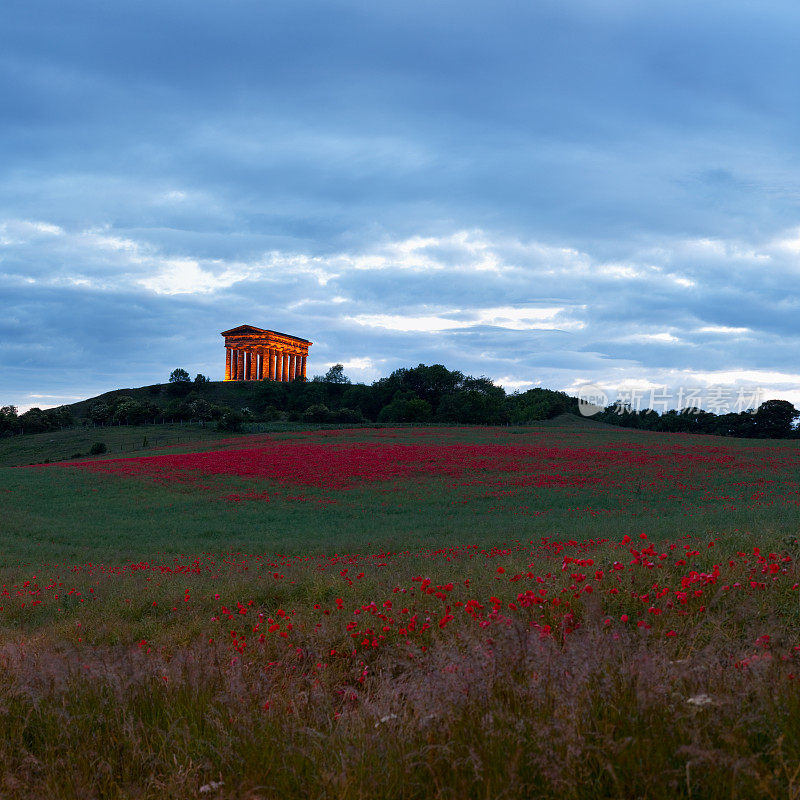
(509, 715)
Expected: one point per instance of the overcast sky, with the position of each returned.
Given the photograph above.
(546, 193)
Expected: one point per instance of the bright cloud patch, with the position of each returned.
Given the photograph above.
(185, 276)
(503, 317)
(748, 376)
(663, 337)
(395, 322)
(726, 329)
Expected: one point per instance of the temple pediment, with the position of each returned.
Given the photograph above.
(244, 330)
(251, 330)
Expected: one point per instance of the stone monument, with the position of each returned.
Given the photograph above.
(255, 354)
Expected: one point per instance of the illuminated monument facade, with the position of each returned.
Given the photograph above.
(253, 354)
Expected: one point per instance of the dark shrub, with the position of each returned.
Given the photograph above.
(230, 421)
(317, 413)
(348, 415)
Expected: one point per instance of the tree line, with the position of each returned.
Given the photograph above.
(34, 420)
(421, 394)
(773, 419)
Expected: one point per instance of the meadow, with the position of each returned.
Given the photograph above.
(562, 610)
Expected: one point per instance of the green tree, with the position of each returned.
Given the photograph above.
(178, 409)
(129, 411)
(774, 419)
(478, 401)
(100, 413)
(406, 407)
(364, 399)
(537, 404)
(33, 421)
(201, 409)
(298, 396)
(733, 424)
(230, 421)
(179, 376)
(60, 417)
(431, 383)
(9, 421)
(336, 374)
(317, 413)
(180, 384)
(351, 416)
(674, 421)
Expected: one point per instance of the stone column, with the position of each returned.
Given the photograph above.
(270, 364)
(303, 367)
(291, 366)
(239, 365)
(260, 372)
(278, 366)
(227, 363)
(251, 375)
(285, 367)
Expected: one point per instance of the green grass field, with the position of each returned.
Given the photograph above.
(561, 610)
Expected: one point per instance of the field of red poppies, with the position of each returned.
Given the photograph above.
(562, 611)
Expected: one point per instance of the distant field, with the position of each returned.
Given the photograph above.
(561, 610)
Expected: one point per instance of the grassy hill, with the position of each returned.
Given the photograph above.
(421, 394)
(235, 394)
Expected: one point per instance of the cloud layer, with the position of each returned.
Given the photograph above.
(547, 194)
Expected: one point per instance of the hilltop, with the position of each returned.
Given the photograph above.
(421, 394)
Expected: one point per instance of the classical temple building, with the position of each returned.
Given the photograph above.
(253, 354)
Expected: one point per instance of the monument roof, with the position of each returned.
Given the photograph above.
(243, 330)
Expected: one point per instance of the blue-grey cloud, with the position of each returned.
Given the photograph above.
(544, 193)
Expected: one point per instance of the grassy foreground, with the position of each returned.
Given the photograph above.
(564, 610)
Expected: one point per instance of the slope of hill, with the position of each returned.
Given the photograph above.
(226, 393)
